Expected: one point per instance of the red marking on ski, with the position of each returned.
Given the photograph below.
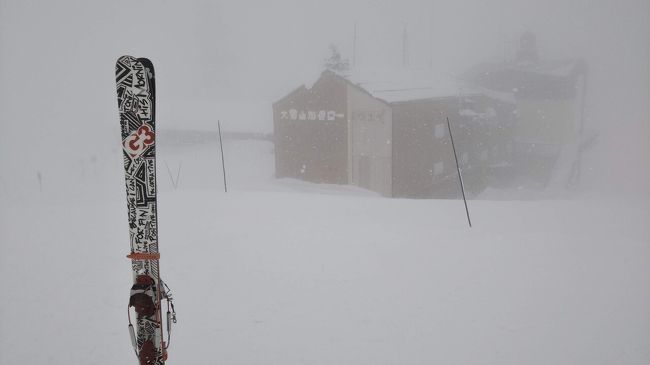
(138, 141)
(143, 256)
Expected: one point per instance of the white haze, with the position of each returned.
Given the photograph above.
(351, 277)
(57, 95)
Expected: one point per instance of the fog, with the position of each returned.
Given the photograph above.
(229, 61)
(56, 83)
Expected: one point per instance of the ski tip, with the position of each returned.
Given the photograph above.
(124, 57)
(147, 63)
(143, 60)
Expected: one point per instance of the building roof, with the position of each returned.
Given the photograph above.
(406, 85)
(541, 79)
(396, 85)
(557, 68)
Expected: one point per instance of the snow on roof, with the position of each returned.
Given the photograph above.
(539, 80)
(407, 85)
(559, 68)
(505, 97)
(405, 92)
(395, 85)
(401, 85)
(564, 68)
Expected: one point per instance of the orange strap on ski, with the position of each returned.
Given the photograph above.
(143, 256)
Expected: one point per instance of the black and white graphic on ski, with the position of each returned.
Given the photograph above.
(136, 103)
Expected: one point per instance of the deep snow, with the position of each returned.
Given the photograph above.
(285, 272)
(292, 273)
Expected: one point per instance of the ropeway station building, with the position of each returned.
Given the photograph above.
(515, 123)
(391, 137)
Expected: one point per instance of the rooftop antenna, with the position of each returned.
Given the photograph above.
(405, 46)
(460, 177)
(431, 27)
(354, 47)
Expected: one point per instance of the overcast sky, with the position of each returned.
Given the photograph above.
(57, 57)
(254, 48)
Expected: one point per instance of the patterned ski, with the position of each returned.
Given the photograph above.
(136, 103)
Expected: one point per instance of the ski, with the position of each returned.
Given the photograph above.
(135, 81)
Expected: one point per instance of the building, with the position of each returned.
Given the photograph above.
(392, 139)
(334, 132)
(519, 122)
(423, 160)
(550, 98)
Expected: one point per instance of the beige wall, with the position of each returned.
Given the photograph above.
(369, 142)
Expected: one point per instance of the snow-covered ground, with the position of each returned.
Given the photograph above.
(285, 272)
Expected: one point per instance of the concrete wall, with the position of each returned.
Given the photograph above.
(310, 133)
(423, 160)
